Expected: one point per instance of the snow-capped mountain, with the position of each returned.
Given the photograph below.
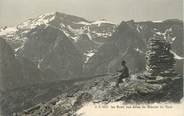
(98, 46)
(58, 44)
(92, 34)
(72, 26)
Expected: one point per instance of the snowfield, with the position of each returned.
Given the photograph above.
(9, 31)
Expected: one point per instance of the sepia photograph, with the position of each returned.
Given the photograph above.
(91, 57)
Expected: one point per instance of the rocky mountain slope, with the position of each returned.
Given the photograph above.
(102, 90)
(67, 97)
(57, 43)
(101, 44)
(52, 51)
(16, 71)
(85, 35)
(15, 100)
(129, 43)
(10, 72)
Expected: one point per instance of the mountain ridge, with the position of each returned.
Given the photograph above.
(80, 58)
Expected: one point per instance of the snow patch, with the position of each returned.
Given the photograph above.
(176, 56)
(102, 22)
(95, 23)
(173, 39)
(23, 39)
(75, 31)
(139, 28)
(138, 50)
(88, 55)
(158, 21)
(41, 20)
(83, 23)
(62, 25)
(39, 62)
(159, 33)
(67, 34)
(75, 38)
(9, 31)
(89, 36)
(105, 35)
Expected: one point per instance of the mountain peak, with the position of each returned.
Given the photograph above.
(64, 15)
(54, 18)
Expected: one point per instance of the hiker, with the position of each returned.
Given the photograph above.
(124, 73)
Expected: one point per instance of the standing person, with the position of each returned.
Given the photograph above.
(124, 73)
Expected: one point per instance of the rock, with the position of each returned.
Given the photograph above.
(159, 59)
(129, 42)
(132, 91)
(64, 106)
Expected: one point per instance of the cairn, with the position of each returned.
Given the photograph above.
(159, 60)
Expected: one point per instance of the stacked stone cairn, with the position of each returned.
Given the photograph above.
(159, 60)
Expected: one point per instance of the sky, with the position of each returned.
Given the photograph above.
(13, 12)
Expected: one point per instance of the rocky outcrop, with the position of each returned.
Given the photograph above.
(66, 106)
(103, 90)
(17, 99)
(129, 42)
(159, 59)
(125, 44)
(173, 29)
